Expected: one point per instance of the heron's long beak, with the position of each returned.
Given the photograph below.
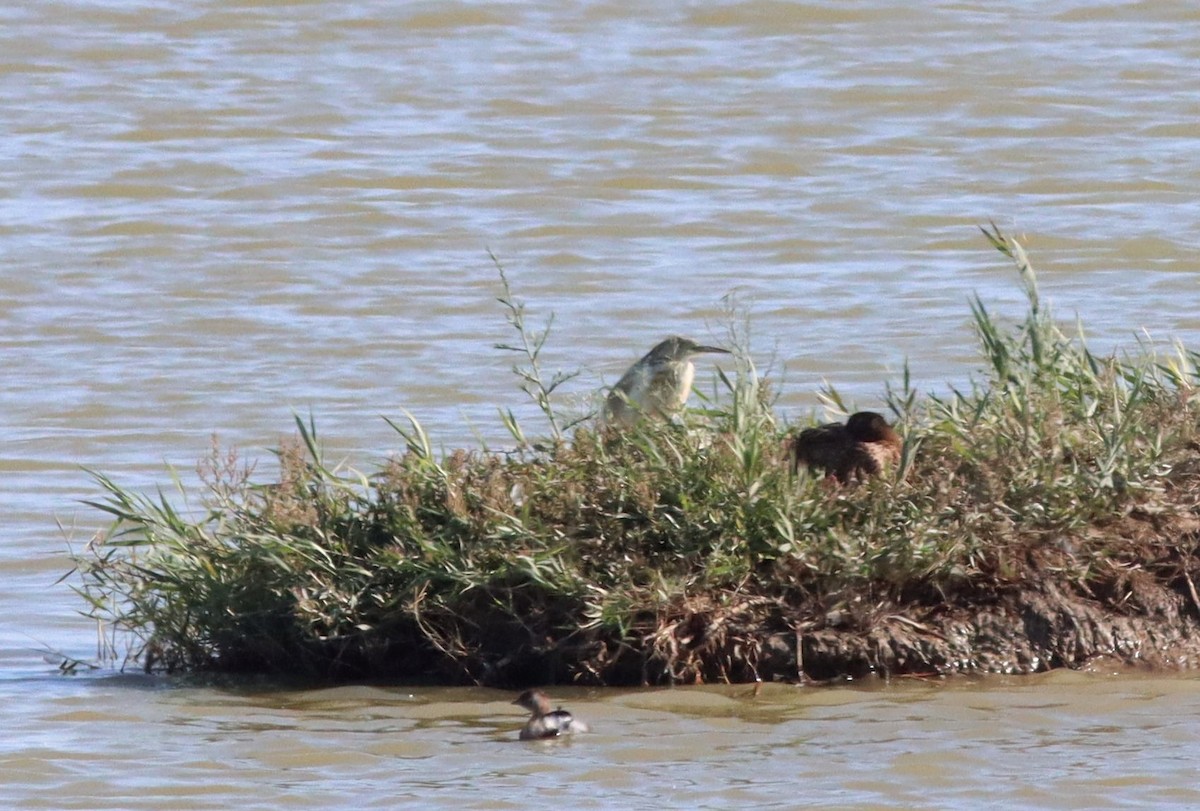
(712, 349)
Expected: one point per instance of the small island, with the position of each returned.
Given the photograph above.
(1046, 516)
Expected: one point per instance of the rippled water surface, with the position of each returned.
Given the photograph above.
(216, 215)
(1067, 740)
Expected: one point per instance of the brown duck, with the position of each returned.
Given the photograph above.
(863, 447)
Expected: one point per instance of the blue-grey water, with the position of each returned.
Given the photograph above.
(216, 215)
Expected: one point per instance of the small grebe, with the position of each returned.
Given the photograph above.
(544, 721)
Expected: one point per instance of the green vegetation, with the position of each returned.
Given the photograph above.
(598, 558)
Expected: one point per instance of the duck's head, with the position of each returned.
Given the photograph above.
(868, 426)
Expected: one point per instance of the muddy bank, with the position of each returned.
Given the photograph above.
(1036, 626)
(1141, 608)
(1022, 629)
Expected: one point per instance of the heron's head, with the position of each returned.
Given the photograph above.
(677, 348)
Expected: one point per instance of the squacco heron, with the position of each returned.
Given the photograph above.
(656, 386)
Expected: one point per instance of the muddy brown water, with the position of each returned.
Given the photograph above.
(1064, 740)
(216, 215)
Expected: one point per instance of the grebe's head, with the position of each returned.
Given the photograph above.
(535, 701)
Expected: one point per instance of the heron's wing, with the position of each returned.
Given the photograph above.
(625, 400)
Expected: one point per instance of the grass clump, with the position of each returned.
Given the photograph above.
(600, 558)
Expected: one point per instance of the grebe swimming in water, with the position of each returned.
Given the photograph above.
(544, 721)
